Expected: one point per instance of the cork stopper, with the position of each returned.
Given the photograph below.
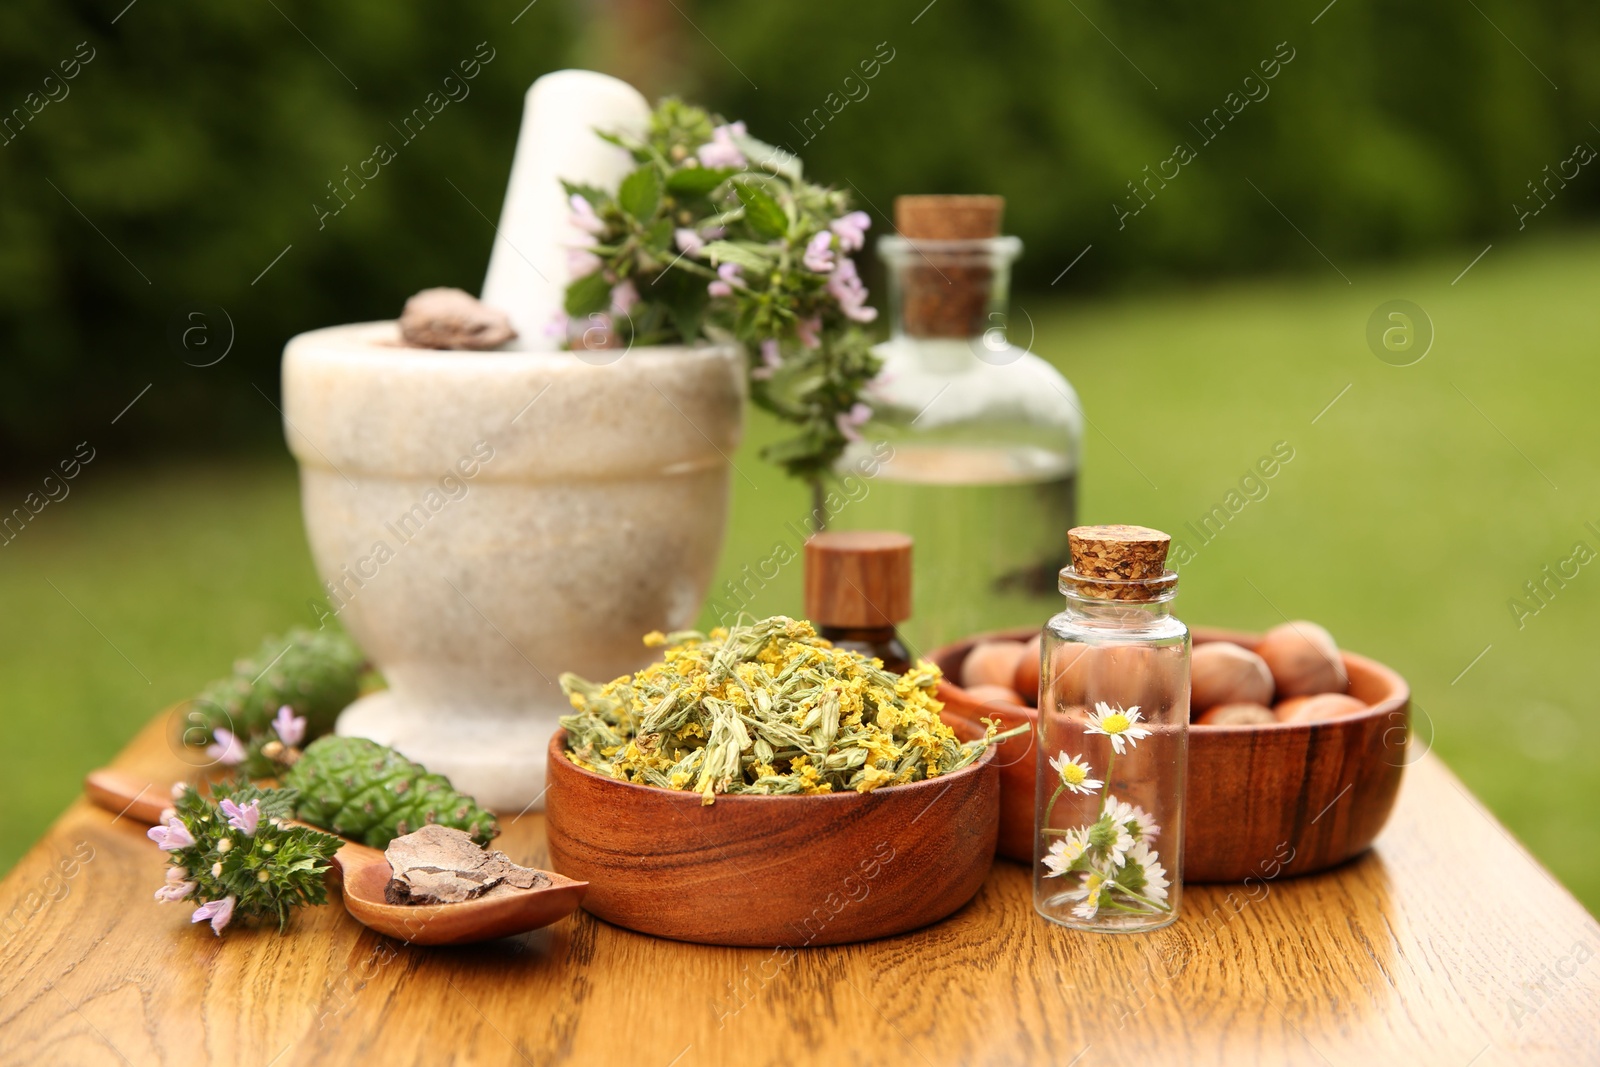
(948, 218)
(858, 579)
(1118, 553)
(944, 292)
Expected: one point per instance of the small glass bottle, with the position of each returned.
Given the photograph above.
(974, 441)
(1113, 733)
(858, 589)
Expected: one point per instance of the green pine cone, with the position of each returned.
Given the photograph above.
(316, 672)
(372, 794)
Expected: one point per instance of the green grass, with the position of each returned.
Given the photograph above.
(1414, 509)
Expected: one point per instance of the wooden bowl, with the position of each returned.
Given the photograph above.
(773, 871)
(1295, 797)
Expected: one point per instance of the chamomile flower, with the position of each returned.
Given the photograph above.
(1075, 773)
(1155, 875)
(1144, 826)
(1120, 726)
(1088, 895)
(1065, 852)
(1112, 838)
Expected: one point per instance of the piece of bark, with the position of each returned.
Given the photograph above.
(452, 318)
(440, 865)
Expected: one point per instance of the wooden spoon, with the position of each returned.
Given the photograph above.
(365, 872)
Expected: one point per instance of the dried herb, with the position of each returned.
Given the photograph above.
(767, 708)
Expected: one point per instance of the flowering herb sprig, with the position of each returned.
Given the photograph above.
(264, 754)
(715, 235)
(235, 856)
(1112, 858)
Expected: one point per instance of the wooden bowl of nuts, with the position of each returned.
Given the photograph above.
(1296, 748)
(774, 871)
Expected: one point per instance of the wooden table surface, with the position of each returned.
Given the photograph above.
(1446, 944)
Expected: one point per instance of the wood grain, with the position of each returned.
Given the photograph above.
(1444, 945)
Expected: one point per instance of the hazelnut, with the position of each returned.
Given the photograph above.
(994, 694)
(991, 663)
(1026, 680)
(1317, 708)
(1239, 714)
(1221, 672)
(1303, 660)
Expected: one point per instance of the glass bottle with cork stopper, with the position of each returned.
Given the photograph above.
(1113, 738)
(973, 444)
(858, 589)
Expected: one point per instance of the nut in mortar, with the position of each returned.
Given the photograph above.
(1303, 659)
(1225, 673)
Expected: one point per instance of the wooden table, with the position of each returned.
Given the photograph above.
(1447, 944)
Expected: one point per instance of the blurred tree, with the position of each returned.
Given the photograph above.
(184, 164)
(204, 144)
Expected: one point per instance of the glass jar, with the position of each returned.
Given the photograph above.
(1112, 758)
(974, 443)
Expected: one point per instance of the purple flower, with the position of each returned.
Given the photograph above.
(244, 819)
(583, 216)
(771, 359)
(227, 748)
(623, 297)
(174, 891)
(721, 151)
(688, 241)
(852, 230)
(290, 728)
(849, 421)
(220, 912)
(581, 262)
(727, 278)
(819, 252)
(171, 837)
(808, 330)
(845, 285)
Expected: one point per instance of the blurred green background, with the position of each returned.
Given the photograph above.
(1394, 146)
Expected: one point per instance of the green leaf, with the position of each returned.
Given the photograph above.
(658, 238)
(596, 196)
(764, 214)
(587, 295)
(698, 181)
(751, 257)
(640, 194)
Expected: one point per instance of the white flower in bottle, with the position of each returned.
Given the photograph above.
(1140, 822)
(1112, 840)
(1119, 725)
(1075, 773)
(1088, 895)
(1155, 875)
(1065, 852)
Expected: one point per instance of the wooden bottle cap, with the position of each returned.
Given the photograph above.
(948, 218)
(1118, 553)
(858, 579)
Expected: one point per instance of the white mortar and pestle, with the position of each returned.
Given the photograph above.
(484, 521)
